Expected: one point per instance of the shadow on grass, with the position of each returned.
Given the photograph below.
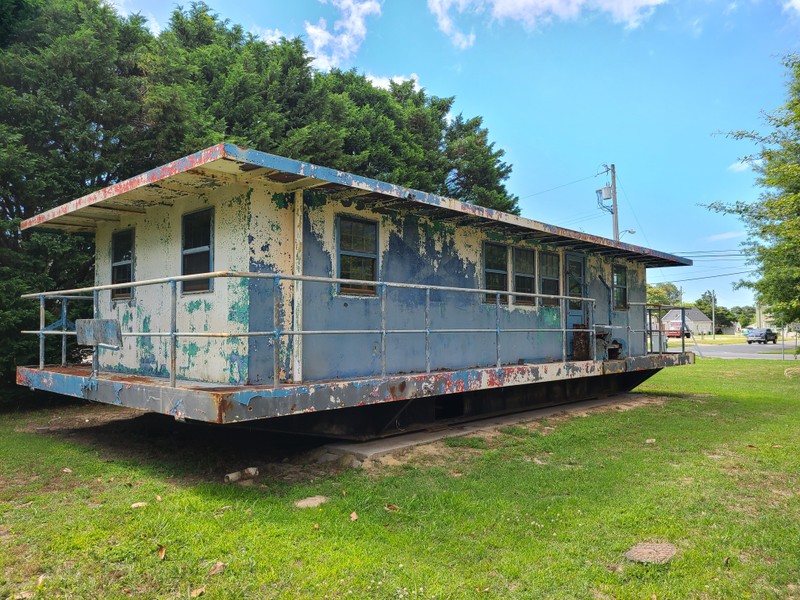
(15, 400)
(192, 452)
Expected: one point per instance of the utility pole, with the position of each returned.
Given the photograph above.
(610, 193)
(614, 202)
(713, 315)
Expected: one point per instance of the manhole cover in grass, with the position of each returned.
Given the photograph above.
(649, 552)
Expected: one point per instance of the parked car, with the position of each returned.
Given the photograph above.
(762, 336)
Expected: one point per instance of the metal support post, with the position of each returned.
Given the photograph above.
(276, 336)
(497, 326)
(41, 331)
(63, 332)
(96, 352)
(173, 326)
(562, 304)
(383, 330)
(427, 330)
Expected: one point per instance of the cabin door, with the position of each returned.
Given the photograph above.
(574, 278)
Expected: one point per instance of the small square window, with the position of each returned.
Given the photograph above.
(619, 285)
(196, 250)
(122, 263)
(524, 275)
(358, 255)
(549, 277)
(495, 271)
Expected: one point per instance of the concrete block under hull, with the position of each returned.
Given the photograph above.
(236, 404)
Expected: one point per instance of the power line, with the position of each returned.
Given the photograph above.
(710, 276)
(558, 187)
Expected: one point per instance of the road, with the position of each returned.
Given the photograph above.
(744, 351)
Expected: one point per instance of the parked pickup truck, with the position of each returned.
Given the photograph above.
(762, 336)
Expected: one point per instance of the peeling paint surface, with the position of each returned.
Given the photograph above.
(242, 403)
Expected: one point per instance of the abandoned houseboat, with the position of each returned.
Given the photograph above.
(234, 285)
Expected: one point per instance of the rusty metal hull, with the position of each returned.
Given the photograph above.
(237, 404)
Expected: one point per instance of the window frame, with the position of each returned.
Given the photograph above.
(491, 298)
(618, 268)
(541, 278)
(361, 291)
(522, 300)
(123, 294)
(197, 250)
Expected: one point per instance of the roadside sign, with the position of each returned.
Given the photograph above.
(794, 326)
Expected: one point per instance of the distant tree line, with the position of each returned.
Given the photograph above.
(89, 98)
(668, 294)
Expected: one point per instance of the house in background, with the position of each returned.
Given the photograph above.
(233, 285)
(696, 321)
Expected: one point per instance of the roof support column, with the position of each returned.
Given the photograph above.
(297, 296)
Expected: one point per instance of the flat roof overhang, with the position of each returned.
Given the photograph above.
(225, 163)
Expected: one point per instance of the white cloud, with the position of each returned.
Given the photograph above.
(267, 35)
(152, 23)
(122, 8)
(383, 82)
(729, 235)
(441, 10)
(744, 165)
(631, 13)
(792, 6)
(330, 49)
(738, 167)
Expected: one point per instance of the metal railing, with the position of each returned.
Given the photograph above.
(62, 327)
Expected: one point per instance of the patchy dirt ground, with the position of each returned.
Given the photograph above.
(197, 452)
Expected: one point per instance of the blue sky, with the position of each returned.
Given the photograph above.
(567, 85)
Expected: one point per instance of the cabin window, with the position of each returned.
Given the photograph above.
(549, 277)
(122, 263)
(619, 285)
(358, 254)
(495, 270)
(196, 251)
(524, 275)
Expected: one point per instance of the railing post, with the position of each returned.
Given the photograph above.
(276, 338)
(628, 329)
(63, 332)
(562, 305)
(683, 330)
(592, 333)
(383, 330)
(96, 352)
(173, 326)
(427, 330)
(497, 326)
(41, 332)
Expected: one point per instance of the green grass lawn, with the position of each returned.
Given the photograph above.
(539, 510)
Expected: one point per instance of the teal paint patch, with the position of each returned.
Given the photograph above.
(282, 200)
(239, 310)
(551, 316)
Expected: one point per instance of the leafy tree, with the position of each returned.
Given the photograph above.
(773, 222)
(745, 315)
(722, 316)
(666, 294)
(477, 171)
